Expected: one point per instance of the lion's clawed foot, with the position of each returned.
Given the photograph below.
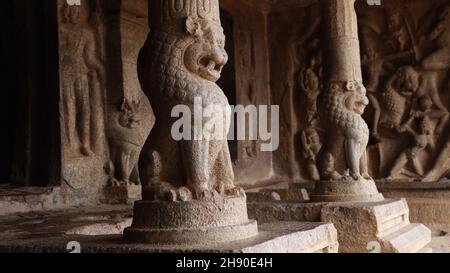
(367, 176)
(120, 183)
(235, 192)
(204, 194)
(182, 194)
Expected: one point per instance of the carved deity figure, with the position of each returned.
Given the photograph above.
(374, 68)
(309, 81)
(184, 58)
(311, 147)
(342, 108)
(422, 138)
(398, 36)
(83, 79)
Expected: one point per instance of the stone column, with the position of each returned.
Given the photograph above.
(189, 196)
(343, 160)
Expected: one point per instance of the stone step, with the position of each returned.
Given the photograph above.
(391, 216)
(385, 223)
(412, 238)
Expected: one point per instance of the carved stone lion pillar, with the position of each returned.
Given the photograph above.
(343, 160)
(189, 194)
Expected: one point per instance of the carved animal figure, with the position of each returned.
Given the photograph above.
(128, 129)
(342, 108)
(399, 88)
(180, 68)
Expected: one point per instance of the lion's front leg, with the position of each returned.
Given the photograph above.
(225, 178)
(364, 166)
(196, 163)
(352, 154)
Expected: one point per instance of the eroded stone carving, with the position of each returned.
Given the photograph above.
(130, 116)
(399, 89)
(310, 84)
(421, 139)
(84, 80)
(129, 127)
(312, 144)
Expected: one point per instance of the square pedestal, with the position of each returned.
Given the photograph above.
(362, 227)
(376, 227)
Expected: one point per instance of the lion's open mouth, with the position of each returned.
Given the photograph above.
(211, 67)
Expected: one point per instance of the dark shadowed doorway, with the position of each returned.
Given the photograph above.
(29, 138)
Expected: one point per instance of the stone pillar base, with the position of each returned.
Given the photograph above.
(346, 191)
(361, 226)
(376, 227)
(121, 195)
(186, 223)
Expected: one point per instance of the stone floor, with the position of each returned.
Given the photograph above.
(105, 221)
(99, 229)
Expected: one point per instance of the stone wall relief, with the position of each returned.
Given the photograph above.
(306, 83)
(102, 136)
(406, 75)
(83, 82)
(246, 52)
(130, 116)
(83, 96)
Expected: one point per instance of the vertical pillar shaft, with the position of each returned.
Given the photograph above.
(343, 159)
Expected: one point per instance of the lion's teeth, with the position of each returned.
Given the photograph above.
(211, 65)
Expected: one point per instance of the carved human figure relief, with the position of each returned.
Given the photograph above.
(311, 144)
(309, 81)
(182, 64)
(398, 36)
(421, 138)
(405, 63)
(84, 80)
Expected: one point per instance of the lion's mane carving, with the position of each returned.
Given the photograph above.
(342, 108)
(403, 84)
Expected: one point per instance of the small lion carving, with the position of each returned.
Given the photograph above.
(182, 67)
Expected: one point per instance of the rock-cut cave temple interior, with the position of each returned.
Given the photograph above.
(329, 132)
